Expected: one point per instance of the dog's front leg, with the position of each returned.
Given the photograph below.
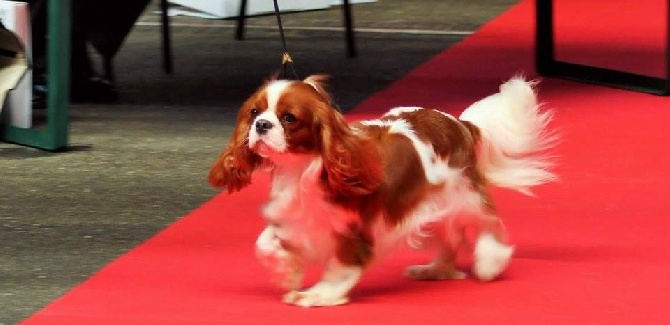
(288, 269)
(332, 290)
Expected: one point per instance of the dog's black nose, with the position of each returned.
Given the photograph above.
(262, 126)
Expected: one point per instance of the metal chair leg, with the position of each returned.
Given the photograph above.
(348, 23)
(166, 38)
(239, 32)
(108, 68)
(349, 29)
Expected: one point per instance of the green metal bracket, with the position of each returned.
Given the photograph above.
(55, 136)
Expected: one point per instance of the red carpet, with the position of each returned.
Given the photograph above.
(592, 249)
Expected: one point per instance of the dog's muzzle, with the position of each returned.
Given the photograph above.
(263, 125)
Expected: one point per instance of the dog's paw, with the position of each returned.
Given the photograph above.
(433, 272)
(286, 267)
(288, 277)
(287, 271)
(314, 298)
(491, 257)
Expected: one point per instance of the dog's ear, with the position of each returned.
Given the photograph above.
(318, 82)
(233, 168)
(351, 163)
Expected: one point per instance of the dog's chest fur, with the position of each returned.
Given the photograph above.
(304, 220)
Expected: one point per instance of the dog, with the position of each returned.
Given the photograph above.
(344, 195)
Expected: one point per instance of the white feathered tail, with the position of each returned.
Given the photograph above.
(514, 137)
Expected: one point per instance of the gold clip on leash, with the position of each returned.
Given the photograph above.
(286, 57)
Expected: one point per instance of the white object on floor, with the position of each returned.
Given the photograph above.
(231, 8)
(340, 2)
(16, 73)
(174, 12)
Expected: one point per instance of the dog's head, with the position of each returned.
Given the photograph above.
(286, 118)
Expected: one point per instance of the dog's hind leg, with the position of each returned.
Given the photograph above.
(445, 236)
(443, 267)
(491, 253)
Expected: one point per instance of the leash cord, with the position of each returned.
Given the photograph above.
(287, 61)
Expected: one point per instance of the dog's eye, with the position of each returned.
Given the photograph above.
(289, 118)
(254, 112)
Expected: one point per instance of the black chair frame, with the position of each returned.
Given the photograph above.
(166, 43)
(547, 64)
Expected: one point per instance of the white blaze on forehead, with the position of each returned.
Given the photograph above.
(274, 92)
(274, 137)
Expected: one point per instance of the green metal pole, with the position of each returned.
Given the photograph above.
(55, 136)
(58, 71)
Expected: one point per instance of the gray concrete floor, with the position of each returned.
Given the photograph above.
(139, 164)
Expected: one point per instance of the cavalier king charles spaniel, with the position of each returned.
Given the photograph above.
(343, 195)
